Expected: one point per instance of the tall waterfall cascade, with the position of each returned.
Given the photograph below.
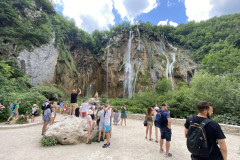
(169, 66)
(107, 67)
(129, 83)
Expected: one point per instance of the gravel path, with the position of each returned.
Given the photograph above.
(127, 143)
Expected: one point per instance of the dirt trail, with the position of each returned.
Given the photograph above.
(127, 143)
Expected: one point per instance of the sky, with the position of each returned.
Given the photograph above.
(103, 14)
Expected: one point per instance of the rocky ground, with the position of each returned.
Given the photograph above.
(127, 143)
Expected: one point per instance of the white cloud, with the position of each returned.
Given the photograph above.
(90, 14)
(171, 23)
(130, 9)
(204, 9)
(198, 9)
(163, 22)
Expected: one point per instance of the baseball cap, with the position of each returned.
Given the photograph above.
(164, 104)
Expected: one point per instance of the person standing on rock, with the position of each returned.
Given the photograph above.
(90, 125)
(123, 114)
(101, 123)
(46, 117)
(216, 147)
(165, 128)
(74, 104)
(84, 108)
(108, 113)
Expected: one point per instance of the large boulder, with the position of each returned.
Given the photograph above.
(91, 101)
(71, 131)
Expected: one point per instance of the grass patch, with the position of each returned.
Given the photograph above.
(48, 141)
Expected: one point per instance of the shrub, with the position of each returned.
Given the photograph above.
(50, 92)
(227, 119)
(22, 119)
(163, 86)
(48, 141)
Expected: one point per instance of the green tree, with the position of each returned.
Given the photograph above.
(163, 86)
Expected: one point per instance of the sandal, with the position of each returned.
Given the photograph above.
(145, 137)
(150, 139)
(156, 141)
(161, 150)
(168, 155)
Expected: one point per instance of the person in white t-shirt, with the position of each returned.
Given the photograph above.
(90, 125)
(84, 108)
(108, 113)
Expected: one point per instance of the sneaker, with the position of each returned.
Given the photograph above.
(88, 143)
(161, 150)
(105, 146)
(98, 141)
(168, 155)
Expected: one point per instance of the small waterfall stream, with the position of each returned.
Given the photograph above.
(107, 67)
(128, 70)
(139, 41)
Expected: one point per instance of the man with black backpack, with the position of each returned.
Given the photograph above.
(204, 135)
(163, 121)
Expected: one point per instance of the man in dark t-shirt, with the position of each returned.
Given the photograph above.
(74, 104)
(214, 133)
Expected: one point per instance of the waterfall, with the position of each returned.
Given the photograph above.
(128, 70)
(174, 48)
(107, 67)
(173, 55)
(139, 44)
(169, 66)
(162, 47)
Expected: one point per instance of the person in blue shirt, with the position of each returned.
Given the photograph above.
(166, 130)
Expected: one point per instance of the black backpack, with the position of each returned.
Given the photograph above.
(197, 139)
(77, 113)
(160, 119)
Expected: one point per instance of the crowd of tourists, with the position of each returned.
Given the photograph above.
(205, 138)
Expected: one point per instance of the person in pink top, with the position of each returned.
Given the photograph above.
(90, 125)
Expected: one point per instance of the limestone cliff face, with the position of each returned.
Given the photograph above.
(39, 63)
(131, 63)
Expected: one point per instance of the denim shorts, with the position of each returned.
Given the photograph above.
(14, 113)
(107, 129)
(46, 118)
(166, 134)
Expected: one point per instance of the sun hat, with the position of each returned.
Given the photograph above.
(90, 112)
(34, 105)
(156, 108)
